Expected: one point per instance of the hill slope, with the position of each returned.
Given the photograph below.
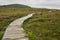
(15, 6)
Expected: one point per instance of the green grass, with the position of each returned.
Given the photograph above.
(42, 26)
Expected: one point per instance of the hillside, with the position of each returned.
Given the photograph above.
(15, 6)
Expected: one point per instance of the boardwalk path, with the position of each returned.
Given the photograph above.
(15, 31)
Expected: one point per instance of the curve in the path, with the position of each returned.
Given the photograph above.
(15, 31)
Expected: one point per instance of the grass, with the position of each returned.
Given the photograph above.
(44, 25)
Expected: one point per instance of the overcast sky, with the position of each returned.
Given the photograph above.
(34, 3)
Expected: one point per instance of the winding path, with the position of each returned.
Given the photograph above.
(15, 31)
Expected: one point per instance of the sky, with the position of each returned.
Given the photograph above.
(54, 4)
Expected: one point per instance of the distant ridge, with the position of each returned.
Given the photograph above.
(15, 6)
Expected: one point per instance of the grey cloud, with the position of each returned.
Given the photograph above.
(34, 3)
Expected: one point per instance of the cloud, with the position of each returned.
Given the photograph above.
(34, 3)
(54, 4)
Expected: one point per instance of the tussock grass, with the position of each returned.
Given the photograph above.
(44, 25)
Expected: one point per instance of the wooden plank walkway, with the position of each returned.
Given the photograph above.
(15, 31)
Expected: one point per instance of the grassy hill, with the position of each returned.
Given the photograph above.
(15, 6)
(44, 25)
